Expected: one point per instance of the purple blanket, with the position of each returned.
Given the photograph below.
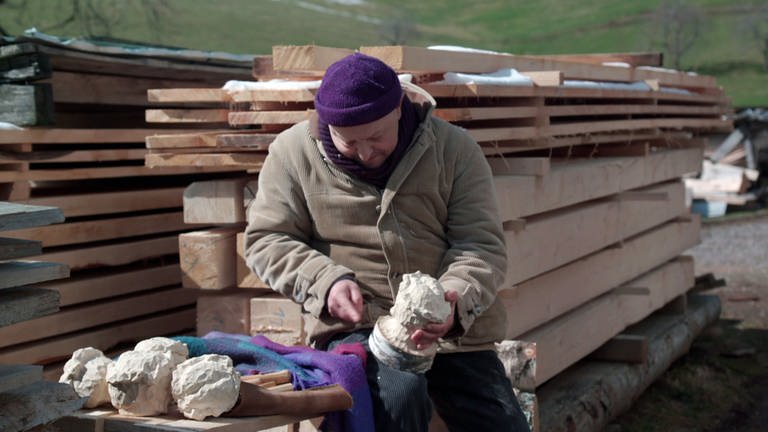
(344, 365)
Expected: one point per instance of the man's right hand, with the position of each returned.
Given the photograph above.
(345, 301)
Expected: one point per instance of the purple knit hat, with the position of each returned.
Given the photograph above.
(357, 89)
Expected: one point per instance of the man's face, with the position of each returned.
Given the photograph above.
(369, 143)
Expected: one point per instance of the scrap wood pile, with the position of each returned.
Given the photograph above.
(731, 175)
(74, 139)
(588, 161)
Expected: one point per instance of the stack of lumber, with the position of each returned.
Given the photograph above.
(589, 180)
(120, 239)
(19, 299)
(26, 400)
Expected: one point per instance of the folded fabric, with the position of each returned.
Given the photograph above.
(344, 365)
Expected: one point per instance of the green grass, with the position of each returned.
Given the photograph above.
(723, 49)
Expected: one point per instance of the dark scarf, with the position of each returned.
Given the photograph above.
(409, 121)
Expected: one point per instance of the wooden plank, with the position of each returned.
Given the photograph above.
(274, 95)
(37, 404)
(519, 166)
(306, 58)
(186, 115)
(230, 138)
(486, 113)
(569, 338)
(267, 117)
(116, 282)
(482, 135)
(79, 136)
(104, 229)
(17, 216)
(578, 180)
(498, 91)
(26, 105)
(92, 204)
(94, 88)
(632, 59)
(216, 201)
(11, 248)
(67, 156)
(559, 237)
(406, 58)
(188, 95)
(90, 315)
(110, 172)
(207, 258)
(103, 337)
(109, 420)
(221, 161)
(19, 273)
(115, 254)
(23, 304)
(543, 298)
(15, 376)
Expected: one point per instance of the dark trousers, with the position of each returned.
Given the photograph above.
(469, 391)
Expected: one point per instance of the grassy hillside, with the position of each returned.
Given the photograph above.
(723, 49)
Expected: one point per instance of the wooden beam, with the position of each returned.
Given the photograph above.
(221, 161)
(117, 282)
(103, 337)
(569, 338)
(79, 136)
(632, 59)
(543, 298)
(278, 318)
(109, 172)
(104, 229)
(188, 95)
(578, 180)
(216, 201)
(68, 156)
(555, 239)
(91, 204)
(114, 254)
(95, 314)
(20, 273)
(186, 115)
(482, 113)
(405, 58)
(228, 312)
(227, 138)
(267, 117)
(306, 58)
(530, 166)
(207, 258)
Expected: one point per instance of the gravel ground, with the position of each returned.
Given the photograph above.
(722, 384)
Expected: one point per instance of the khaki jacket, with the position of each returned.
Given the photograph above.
(312, 223)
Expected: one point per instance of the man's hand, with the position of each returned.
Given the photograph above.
(345, 301)
(431, 332)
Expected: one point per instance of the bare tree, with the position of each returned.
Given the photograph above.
(399, 31)
(757, 26)
(676, 27)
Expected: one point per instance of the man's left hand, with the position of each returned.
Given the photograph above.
(430, 333)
